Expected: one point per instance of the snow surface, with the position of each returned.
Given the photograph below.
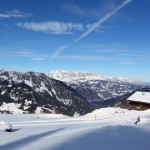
(105, 129)
(140, 97)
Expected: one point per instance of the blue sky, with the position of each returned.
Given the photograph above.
(109, 37)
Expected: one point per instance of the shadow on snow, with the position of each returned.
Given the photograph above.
(27, 140)
(110, 138)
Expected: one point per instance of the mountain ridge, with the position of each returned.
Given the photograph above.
(68, 76)
(31, 90)
(94, 87)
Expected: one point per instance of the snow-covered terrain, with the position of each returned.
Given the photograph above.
(106, 129)
(96, 88)
(24, 92)
(81, 76)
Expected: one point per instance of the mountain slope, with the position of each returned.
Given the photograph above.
(31, 90)
(94, 87)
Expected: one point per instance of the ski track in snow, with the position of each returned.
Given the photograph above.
(61, 133)
(84, 120)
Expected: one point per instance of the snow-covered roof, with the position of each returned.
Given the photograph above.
(140, 97)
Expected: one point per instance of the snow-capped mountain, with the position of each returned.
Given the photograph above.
(71, 76)
(78, 76)
(27, 91)
(95, 87)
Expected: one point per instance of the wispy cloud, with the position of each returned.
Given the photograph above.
(79, 57)
(82, 12)
(21, 53)
(39, 58)
(116, 50)
(105, 46)
(58, 51)
(52, 27)
(14, 14)
(119, 52)
(94, 26)
(128, 63)
(89, 11)
(134, 54)
(91, 57)
(98, 29)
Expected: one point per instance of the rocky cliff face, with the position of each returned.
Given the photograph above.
(27, 91)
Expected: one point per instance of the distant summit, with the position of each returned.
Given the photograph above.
(81, 76)
(96, 88)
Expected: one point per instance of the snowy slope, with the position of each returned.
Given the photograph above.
(113, 129)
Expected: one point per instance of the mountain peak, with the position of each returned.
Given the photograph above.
(82, 76)
(27, 91)
(68, 76)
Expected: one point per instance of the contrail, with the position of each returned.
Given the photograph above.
(102, 20)
(58, 51)
(92, 28)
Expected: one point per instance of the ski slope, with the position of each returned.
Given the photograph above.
(105, 129)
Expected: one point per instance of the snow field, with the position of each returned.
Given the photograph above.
(113, 129)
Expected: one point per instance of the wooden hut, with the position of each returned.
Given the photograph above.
(139, 100)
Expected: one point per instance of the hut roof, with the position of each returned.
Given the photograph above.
(139, 96)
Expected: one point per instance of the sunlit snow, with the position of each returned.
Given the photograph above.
(105, 129)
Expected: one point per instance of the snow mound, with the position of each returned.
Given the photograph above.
(6, 126)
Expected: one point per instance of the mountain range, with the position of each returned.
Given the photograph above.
(65, 92)
(96, 88)
(82, 76)
(28, 91)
